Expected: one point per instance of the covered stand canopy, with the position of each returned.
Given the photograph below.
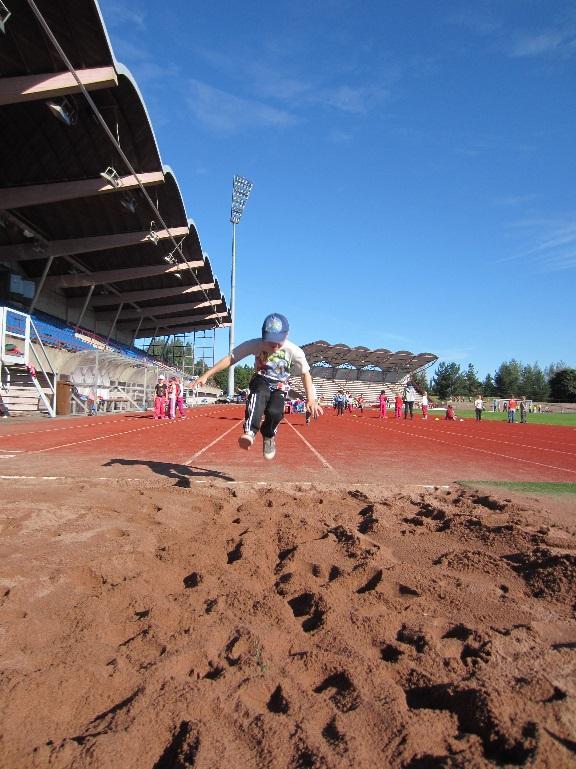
(88, 211)
(394, 365)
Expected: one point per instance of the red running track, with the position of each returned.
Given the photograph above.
(344, 450)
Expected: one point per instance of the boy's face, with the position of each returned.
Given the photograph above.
(272, 346)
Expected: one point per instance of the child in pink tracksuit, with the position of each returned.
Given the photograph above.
(398, 403)
(383, 401)
(180, 398)
(160, 398)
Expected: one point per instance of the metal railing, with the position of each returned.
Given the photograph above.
(20, 327)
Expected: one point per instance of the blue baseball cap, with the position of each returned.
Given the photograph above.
(275, 328)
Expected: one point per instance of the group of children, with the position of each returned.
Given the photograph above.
(169, 398)
(343, 401)
(402, 402)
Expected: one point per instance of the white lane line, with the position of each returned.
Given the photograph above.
(510, 443)
(312, 449)
(483, 451)
(98, 438)
(219, 438)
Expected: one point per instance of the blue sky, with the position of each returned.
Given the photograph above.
(414, 164)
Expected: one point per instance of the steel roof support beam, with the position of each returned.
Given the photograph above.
(135, 335)
(117, 276)
(75, 246)
(113, 326)
(200, 318)
(84, 307)
(55, 192)
(146, 332)
(40, 286)
(154, 293)
(159, 310)
(34, 87)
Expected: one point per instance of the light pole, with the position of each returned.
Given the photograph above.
(241, 189)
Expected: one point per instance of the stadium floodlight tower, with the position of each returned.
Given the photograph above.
(241, 189)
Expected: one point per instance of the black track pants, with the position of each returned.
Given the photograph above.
(263, 402)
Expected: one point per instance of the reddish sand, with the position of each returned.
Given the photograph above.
(153, 626)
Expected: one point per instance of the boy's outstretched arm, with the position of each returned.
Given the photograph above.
(223, 363)
(312, 404)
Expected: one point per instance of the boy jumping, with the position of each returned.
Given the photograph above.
(275, 359)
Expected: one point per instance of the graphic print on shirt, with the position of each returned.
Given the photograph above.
(274, 365)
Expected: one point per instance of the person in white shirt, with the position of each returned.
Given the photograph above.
(276, 358)
(478, 407)
(425, 405)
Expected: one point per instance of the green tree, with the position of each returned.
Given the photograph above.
(563, 386)
(488, 387)
(448, 380)
(420, 381)
(507, 378)
(242, 377)
(472, 383)
(533, 383)
(553, 368)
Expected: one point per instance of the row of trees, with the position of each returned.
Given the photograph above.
(556, 382)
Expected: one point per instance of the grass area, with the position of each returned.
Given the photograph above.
(530, 487)
(566, 420)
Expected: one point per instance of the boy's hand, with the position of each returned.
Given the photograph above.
(315, 409)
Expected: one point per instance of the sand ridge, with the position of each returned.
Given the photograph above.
(283, 626)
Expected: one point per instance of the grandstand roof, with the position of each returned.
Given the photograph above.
(400, 362)
(57, 212)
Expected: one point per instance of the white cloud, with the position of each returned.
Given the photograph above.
(549, 43)
(121, 15)
(548, 245)
(223, 111)
(513, 201)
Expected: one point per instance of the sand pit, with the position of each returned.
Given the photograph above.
(157, 627)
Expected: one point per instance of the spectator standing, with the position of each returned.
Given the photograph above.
(398, 402)
(160, 398)
(383, 403)
(512, 405)
(180, 398)
(478, 407)
(172, 395)
(494, 405)
(523, 410)
(409, 398)
(339, 402)
(425, 405)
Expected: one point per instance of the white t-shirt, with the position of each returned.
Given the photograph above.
(274, 366)
(424, 400)
(478, 403)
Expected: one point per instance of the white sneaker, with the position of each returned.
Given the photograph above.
(269, 448)
(246, 440)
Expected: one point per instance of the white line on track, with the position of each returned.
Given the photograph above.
(219, 438)
(312, 449)
(97, 438)
(510, 443)
(481, 451)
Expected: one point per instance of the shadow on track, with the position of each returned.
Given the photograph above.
(182, 474)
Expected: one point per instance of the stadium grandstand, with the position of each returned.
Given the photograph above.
(359, 371)
(97, 252)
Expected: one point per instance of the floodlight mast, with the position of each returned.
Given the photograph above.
(241, 189)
